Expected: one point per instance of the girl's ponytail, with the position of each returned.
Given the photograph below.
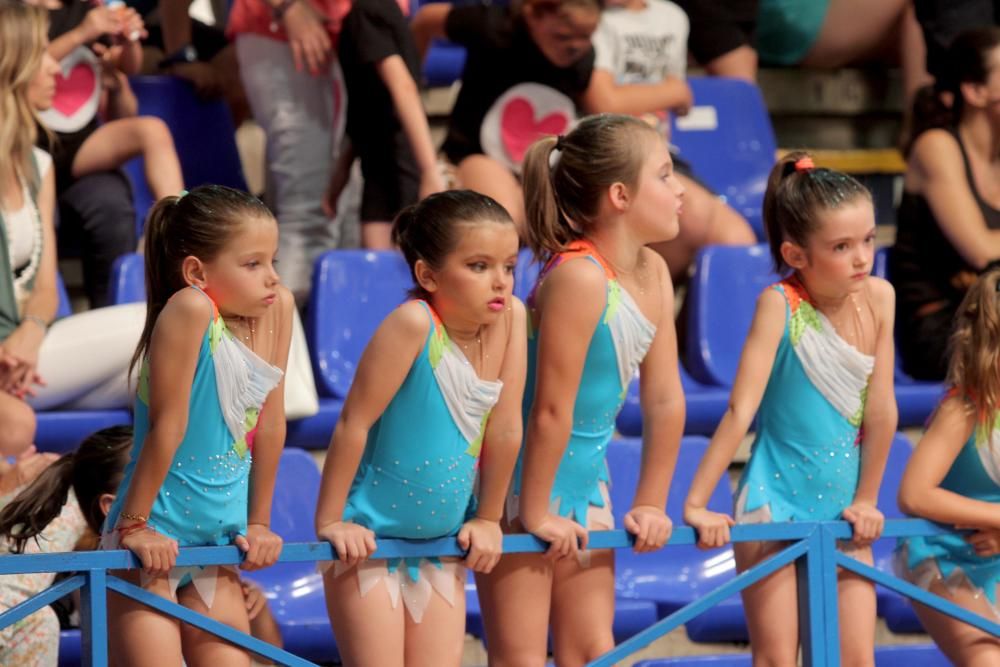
(547, 231)
(974, 348)
(36, 506)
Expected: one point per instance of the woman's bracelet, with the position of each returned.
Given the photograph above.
(124, 531)
(36, 320)
(133, 517)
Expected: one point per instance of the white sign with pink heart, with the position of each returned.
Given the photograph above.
(78, 92)
(519, 117)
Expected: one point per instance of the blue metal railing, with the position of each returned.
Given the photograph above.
(812, 547)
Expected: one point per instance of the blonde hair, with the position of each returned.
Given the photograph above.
(561, 201)
(974, 349)
(23, 34)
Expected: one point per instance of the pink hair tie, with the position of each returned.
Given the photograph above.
(804, 164)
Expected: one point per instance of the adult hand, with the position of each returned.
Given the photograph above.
(261, 546)
(22, 346)
(99, 21)
(28, 465)
(307, 36)
(203, 77)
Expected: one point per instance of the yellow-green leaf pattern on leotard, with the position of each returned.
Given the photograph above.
(476, 445)
(614, 300)
(249, 423)
(216, 330)
(802, 317)
(859, 416)
(439, 343)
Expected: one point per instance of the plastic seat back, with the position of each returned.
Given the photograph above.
(729, 140)
(352, 292)
(723, 296)
(128, 279)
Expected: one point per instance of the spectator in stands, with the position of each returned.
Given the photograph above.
(294, 85)
(53, 505)
(949, 216)
(722, 35)
(526, 70)
(183, 46)
(386, 124)
(82, 360)
(96, 52)
(944, 20)
(640, 64)
(836, 33)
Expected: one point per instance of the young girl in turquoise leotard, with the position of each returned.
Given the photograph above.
(435, 404)
(954, 478)
(817, 371)
(209, 421)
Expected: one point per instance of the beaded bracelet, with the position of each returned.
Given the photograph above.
(36, 320)
(133, 517)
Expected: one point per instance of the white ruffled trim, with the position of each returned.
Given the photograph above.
(243, 379)
(837, 369)
(989, 455)
(632, 334)
(443, 577)
(928, 572)
(469, 398)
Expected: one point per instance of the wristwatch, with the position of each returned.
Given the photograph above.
(185, 54)
(278, 13)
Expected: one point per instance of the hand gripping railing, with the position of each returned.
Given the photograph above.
(812, 547)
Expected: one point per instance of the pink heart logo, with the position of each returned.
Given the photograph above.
(74, 91)
(519, 129)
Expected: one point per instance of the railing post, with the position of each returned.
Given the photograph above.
(817, 590)
(94, 619)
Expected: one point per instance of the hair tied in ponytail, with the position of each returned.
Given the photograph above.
(560, 142)
(804, 164)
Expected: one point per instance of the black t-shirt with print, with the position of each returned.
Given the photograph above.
(501, 54)
(373, 31)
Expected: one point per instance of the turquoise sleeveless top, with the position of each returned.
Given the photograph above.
(203, 500)
(805, 460)
(974, 474)
(419, 466)
(618, 345)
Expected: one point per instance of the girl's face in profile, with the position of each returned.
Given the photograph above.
(42, 88)
(242, 278)
(561, 31)
(658, 196)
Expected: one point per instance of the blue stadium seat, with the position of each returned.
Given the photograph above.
(705, 405)
(128, 279)
(723, 296)
(62, 430)
(69, 648)
(525, 275)
(916, 398)
(678, 575)
(352, 292)
(733, 150)
(294, 591)
(203, 134)
(918, 655)
(444, 63)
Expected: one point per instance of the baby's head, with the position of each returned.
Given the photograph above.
(461, 247)
(974, 348)
(608, 164)
(561, 29)
(819, 220)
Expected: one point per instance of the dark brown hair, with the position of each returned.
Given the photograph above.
(974, 348)
(796, 195)
(561, 201)
(965, 61)
(428, 230)
(198, 223)
(95, 468)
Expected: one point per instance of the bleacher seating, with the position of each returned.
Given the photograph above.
(916, 398)
(62, 430)
(203, 135)
(679, 575)
(728, 140)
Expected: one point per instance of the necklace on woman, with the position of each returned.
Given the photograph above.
(25, 275)
(637, 273)
(468, 357)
